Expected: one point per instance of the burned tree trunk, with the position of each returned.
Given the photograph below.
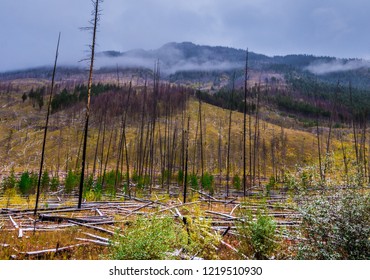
(245, 127)
(229, 138)
(89, 86)
(46, 128)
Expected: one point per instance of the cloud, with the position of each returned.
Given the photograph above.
(330, 27)
(173, 57)
(337, 65)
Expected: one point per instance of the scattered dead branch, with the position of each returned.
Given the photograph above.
(93, 241)
(96, 236)
(92, 227)
(48, 251)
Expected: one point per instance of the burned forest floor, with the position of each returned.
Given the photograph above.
(61, 231)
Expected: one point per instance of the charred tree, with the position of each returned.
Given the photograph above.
(229, 136)
(245, 127)
(89, 86)
(46, 128)
(186, 160)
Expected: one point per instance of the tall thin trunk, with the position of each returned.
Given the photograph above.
(331, 120)
(318, 141)
(46, 128)
(256, 136)
(229, 137)
(220, 152)
(363, 145)
(122, 142)
(201, 142)
(245, 126)
(345, 162)
(186, 160)
(354, 125)
(97, 144)
(141, 153)
(92, 58)
(103, 145)
(154, 116)
(107, 158)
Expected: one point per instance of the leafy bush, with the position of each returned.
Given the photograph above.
(54, 184)
(9, 182)
(237, 182)
(45, 181)
(25, 183)
(109, 182)
(270, 185)
(92, 189)
(257, 237)
(72, 181)
(207, 182)
(140, 180)
(336, 227)
(147, 239)
(201, 240)
(180, 177)
(193, 179)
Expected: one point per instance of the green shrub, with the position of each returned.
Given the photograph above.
(34, 177)
(140, 181)
(193, 179)
(147, 239)
(54, 184)
(72, 181)
(202, 241)
(237, 182)
(258, 239)
(207, 182)
(45, 181)
(270, 185)
(180, 177)
(25, 183)
(9, 182)
(166, 175)
(89, 183)
(336, 227)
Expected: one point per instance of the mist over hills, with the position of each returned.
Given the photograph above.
(186, 59)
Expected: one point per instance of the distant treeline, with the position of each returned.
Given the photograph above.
(303, 96)
(67, 98)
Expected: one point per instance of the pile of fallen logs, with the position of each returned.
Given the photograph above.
(106, 218)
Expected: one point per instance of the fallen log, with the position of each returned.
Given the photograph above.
(92, 227)
(233, 248)
(232, 211)
(204, 194)
(93, 241)
(20, 231)
(221, 214)
(48, 251)
(99, 212)
(177, 206)
(13, 222)
(96, 236)
(87, 219)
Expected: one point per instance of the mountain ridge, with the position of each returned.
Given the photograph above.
(186, 59)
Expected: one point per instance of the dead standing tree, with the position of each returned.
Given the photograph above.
(229, 136)
(46, 128)
(95, 13)
(245, 127)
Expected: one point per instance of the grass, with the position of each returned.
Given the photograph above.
(23, 134)
(20, 145)
(49, 240)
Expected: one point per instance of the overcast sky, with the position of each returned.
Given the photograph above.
(29, 28)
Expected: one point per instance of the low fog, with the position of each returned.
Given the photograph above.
(172, 59)
(337, 65)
